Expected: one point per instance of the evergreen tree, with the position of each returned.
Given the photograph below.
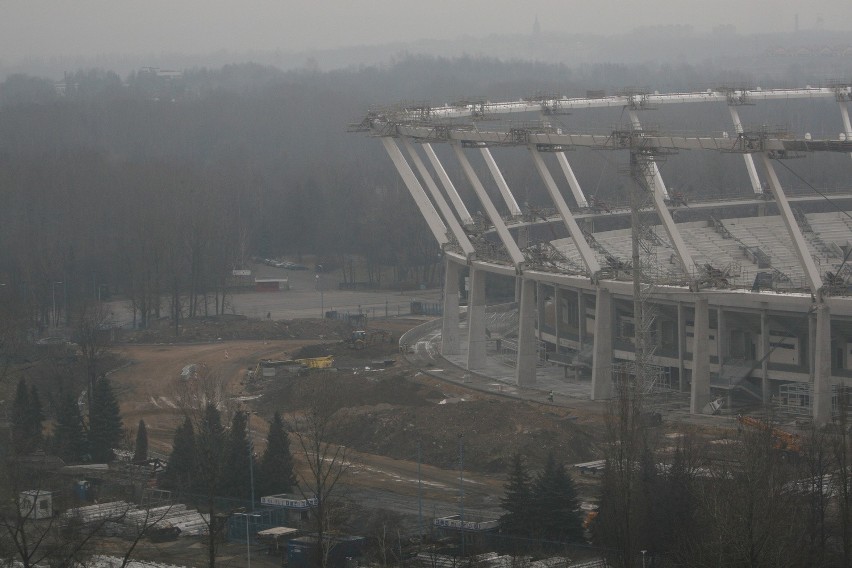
(275, 473)
(20, 420)
(69, 435)
(140, 453)
(209, 452)
(105, 427)
(36, 418)
(555, 504)
(180, 470)
(236, 472)
(517, 501)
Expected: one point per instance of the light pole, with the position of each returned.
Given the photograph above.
(461, 489)
(248, 535)
(53, 294)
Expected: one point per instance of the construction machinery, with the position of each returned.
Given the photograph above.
(782, 440)
(326, 362)
(361, 338)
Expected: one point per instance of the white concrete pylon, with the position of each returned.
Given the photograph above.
(450, 321)
(800, 247)
(700, 393)
(525, 368)
(579, 197)
(493, 215)
(586, 253)
(443, 207)
(508, 197)
(476, 337)
(452, 193)
(844, 115)
(822, 385)
(433, 220)
(756, 186)
(602, 353)
(655, 179)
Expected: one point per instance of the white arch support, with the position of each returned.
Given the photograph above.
(579, 197)
(582, 245)
(443, 206)
(514, 210)
(416, 190)
(655, 179)
(806, 261)
(756, 186)
(456, 200)
(493, 215)
(844, 114)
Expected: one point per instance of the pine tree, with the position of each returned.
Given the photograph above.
(236, 472)
(140, 453)
(275, 473)
(517, 501)
(20, 420)
(105, 427)
(36, 418)
(180, 470)
(209, 452)
(69, 435)
(555, 504)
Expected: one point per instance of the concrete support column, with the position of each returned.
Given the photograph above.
(557, 314)
(450, 324)
(602, 358)
(763, 353)
(539, 294)
(810, 351)
(581, 318)
(700, 393)
(523, 242)
(822, 373)
(527, 357)
(681, 345)
(722, 346)
(476, 320)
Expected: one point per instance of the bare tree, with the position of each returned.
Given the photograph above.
(92, 334)
(327, 463)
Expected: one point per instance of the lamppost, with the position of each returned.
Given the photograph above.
(321, 291)
(53, 294)
(461, 489)
(248, 535)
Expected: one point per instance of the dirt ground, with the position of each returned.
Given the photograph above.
(384, 413)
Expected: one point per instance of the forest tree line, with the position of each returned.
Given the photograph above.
(156, 188)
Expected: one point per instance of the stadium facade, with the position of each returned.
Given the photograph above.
(745, 297)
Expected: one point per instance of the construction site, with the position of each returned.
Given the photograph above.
(738, 302)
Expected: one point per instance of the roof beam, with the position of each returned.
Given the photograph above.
(456, 200)
(582, 245)
(505, 236)
(443, 206)
(800, 246)
(514, 210)
(756, 186)
(416, 190)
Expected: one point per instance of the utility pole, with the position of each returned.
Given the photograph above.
(461, 490)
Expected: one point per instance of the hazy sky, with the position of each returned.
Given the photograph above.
(43, 28)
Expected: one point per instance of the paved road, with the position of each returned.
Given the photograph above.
(310, 296)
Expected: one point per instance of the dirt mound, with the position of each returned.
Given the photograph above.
(386, 413)
(228, 327)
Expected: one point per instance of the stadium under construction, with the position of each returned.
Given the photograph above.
(740, 299)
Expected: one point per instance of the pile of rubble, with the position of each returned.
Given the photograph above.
(237, 327)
